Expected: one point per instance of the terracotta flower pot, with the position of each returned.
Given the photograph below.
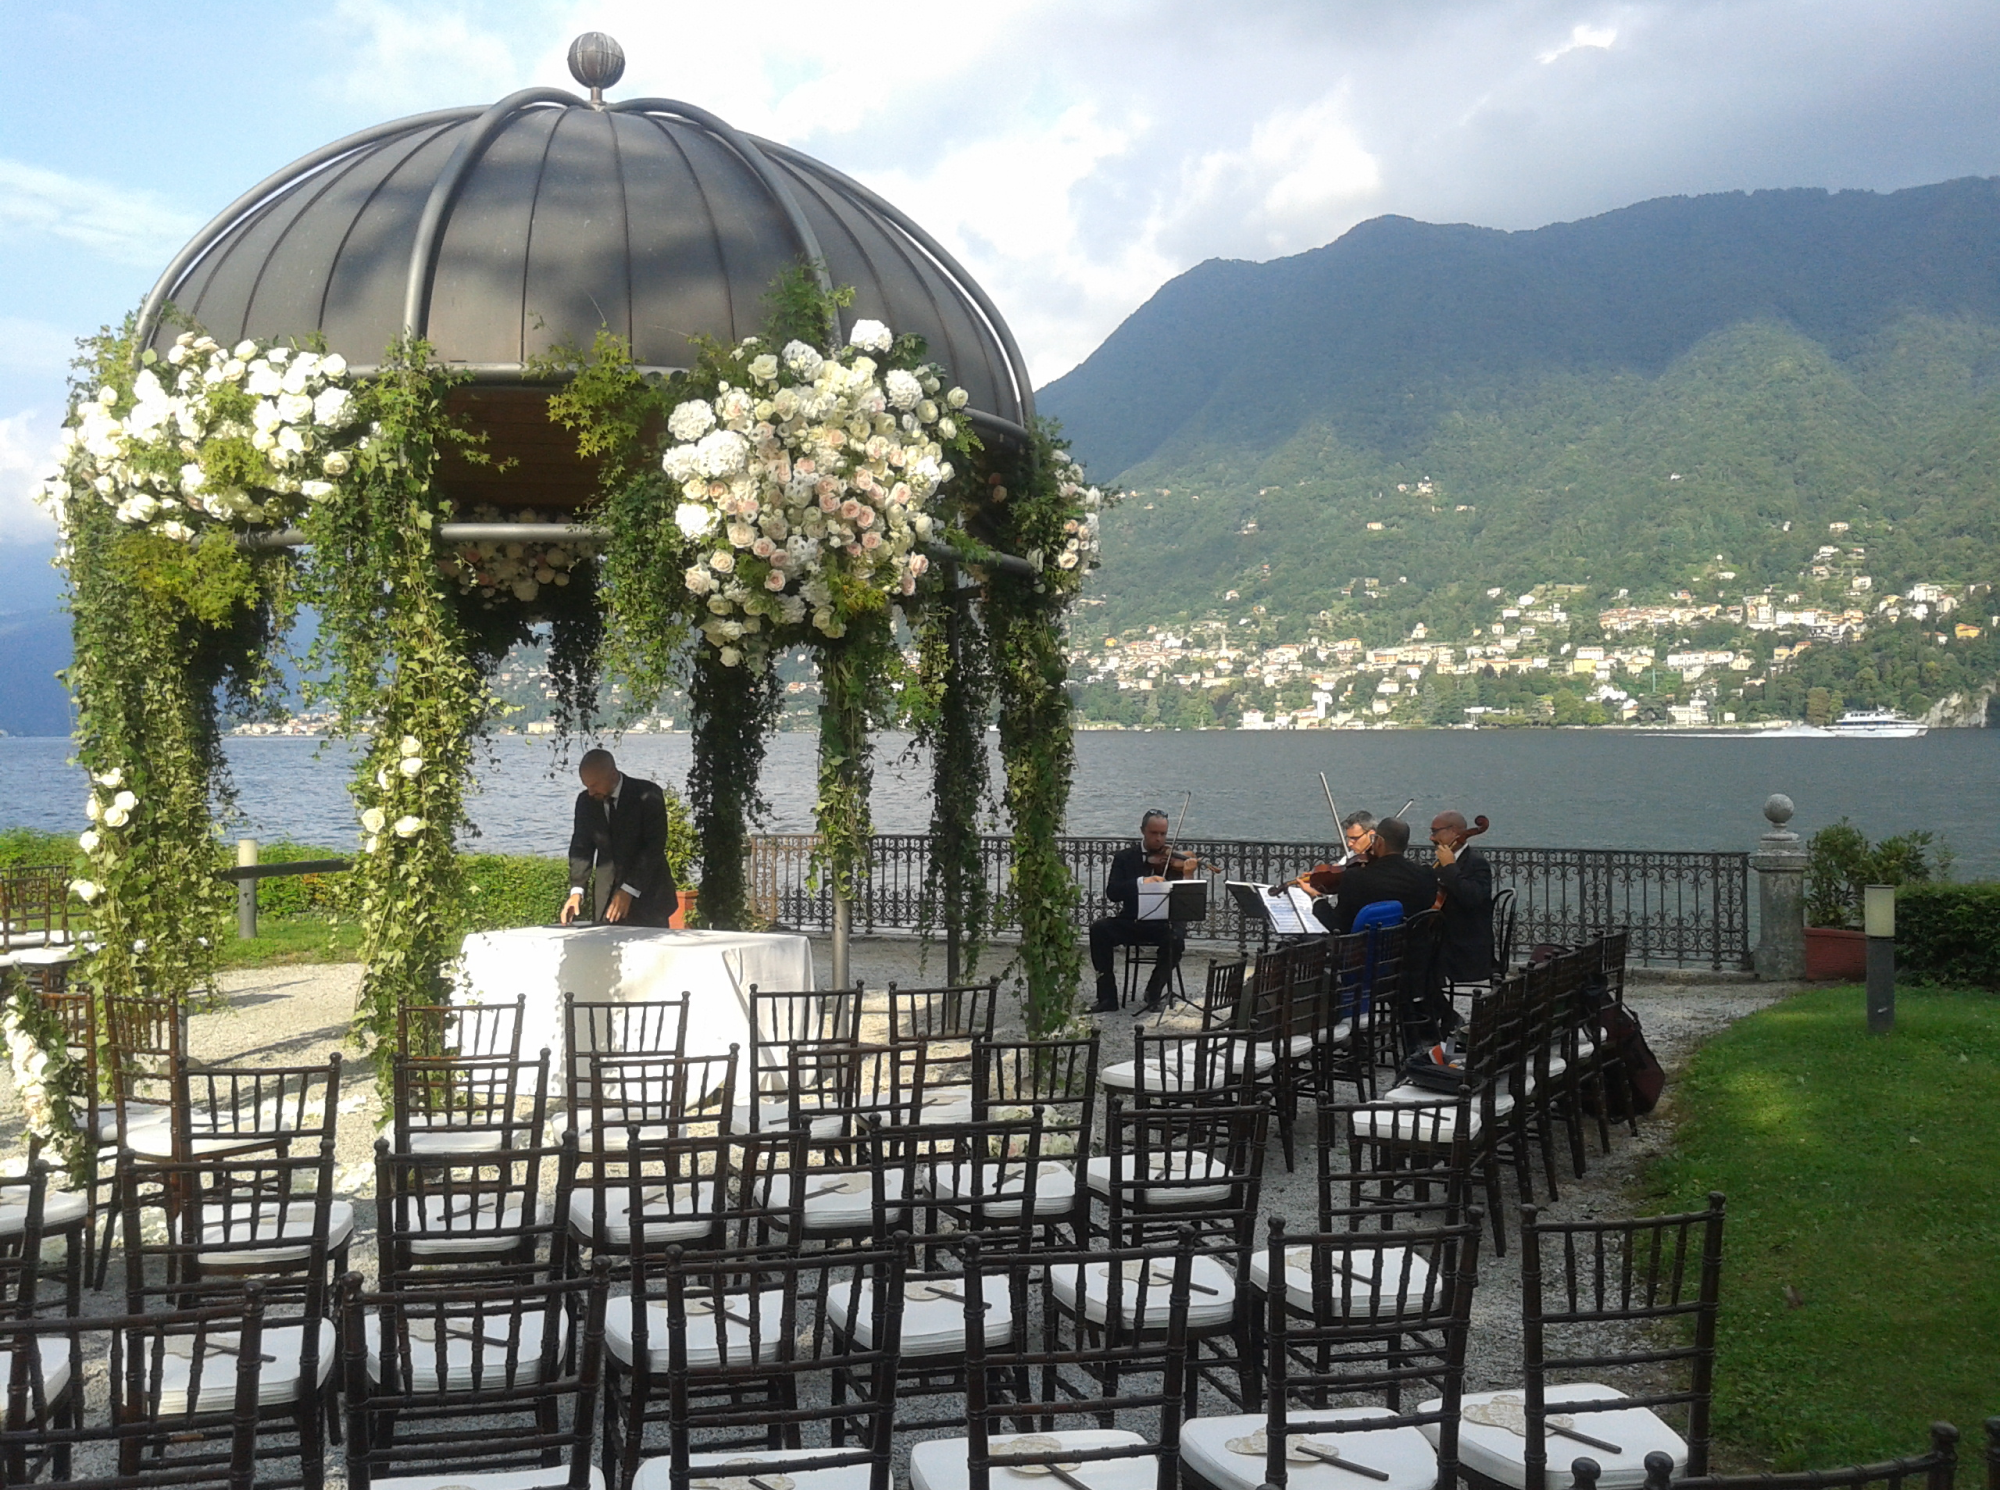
(1834, 954)
(686, 898)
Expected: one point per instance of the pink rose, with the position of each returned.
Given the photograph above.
(763, 548)
(871, 540)
(828, 502)
(850, 510)
(775, 580)
(866, 516)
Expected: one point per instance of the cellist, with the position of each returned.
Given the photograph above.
(1465, 890)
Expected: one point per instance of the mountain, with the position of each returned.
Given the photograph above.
(34, 644)
(1685, 394)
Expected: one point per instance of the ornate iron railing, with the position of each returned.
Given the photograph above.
(1683, 908)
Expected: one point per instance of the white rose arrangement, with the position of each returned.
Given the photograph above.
(499, 571)
(241, 437)
(110, 808)
(44, 1076)
(804, 478)
(375, 822)
(1080, 547)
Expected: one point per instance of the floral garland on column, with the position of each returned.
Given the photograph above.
(165, 464)
(1037, 504)
(46, 1077)
(405, 669)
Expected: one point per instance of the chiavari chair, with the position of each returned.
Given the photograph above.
(781, 1023)
(483, 1031)
(1577, 1278)
(236, 1220)
(1013, 1078)
(143, 1044)
(1935, 1469)
(1378, 1317)
(1060, 1367)
(181, 1405)
(445, 1218)
(470, 1386)
(446, 1106)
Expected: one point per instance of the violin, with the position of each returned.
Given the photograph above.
(1172, 864)
(1321, 879)
(1464, 836)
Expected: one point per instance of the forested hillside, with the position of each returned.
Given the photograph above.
(1681, 396)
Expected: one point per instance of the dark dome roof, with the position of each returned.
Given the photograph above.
(501, 232)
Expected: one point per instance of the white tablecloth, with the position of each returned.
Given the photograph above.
(631, 964)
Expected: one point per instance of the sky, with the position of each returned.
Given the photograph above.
(1074, 154)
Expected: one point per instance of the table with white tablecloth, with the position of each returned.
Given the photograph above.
(630, 964)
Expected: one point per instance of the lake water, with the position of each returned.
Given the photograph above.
(1543, 788)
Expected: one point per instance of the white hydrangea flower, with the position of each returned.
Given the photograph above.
(802, 359)
(693, 519)
(871, 336)
(691, 420)
(903, 389)
(264, 380)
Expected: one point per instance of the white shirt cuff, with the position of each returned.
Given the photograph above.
(630, 891)
(576, 889)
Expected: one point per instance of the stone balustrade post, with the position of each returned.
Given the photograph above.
(1780, 862)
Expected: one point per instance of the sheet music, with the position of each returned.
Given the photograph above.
(1153, 899)
(1302, 906)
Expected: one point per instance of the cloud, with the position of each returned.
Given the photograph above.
(26, 439)
(1582, 38)
(29, 346)
(398, 59)
(128, 225)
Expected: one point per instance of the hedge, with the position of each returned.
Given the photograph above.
(1949, 933)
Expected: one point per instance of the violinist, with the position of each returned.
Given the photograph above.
(1149, 859)
(1385, 875)
(1465, 885)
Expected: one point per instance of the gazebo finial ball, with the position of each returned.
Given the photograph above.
(596, 60)
(1778, 808)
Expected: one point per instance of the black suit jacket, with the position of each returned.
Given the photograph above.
(628, 847)
(1392, 878)
(1468, 917)
(1121, 880)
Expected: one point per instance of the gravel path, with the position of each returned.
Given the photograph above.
(299, 1015)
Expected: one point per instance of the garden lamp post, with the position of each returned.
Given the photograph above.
(1878, 919)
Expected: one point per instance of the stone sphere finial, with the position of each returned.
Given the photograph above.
(1778, 808)
(596, 61)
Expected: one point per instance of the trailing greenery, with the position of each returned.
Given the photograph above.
(734, 711)
(404, 669)
(1949, 933)
(1841, 864)
(1864, 1220)
(949, 702)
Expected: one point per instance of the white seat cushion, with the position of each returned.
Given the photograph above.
(616, 1132)
(499, 1479)
(933, 1315)
(701, 1343)
(1437, 1124)
(657, 1474)
(59, 1208)
(446, 1143)
(1498, 1451)
(1173, 1074)
(1367, 1276)
(774, 1115)
(527, 1327)
(137, 1115)
(1097, 1174)
(840, 1201)
(1404, 1454)
(939, 1463)
(1055, 1186)
(1211, 1293)
(245, 1221)
(471, 1225)
(54, 1351)
(946, 1104)
(677, 1213)
(277, 1383)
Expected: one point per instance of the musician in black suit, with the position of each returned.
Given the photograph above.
(1146, 860)
(1467, 881)
(621, 831)
(1386, 875)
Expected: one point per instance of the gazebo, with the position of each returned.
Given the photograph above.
(690, 398)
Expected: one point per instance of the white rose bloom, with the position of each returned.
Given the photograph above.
(314, 491)
(764, 368)
(245, 348)
(410, 745)
(742, 534)
(693, 519)
(265, 380)
(729, 656)
(85, 889)
(409, 827)
(88, 840)
(294, 408)
(126, 800)
(691, 420)
(179, 532)
(871, 336)
(722, 561)
(373, 819)
(733, 408)
(114, 778)
(279, 355)
(382, 779)
(337, 463)
(93, 808)
(333, 365)
(927, 411)
(333, 409)
(116, 817)
(697, 580)
(413, 765)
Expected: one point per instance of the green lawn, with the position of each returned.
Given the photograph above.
(284, 940)
(1861, 1277)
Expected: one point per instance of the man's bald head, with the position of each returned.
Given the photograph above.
(598, 772)
(1448, 822)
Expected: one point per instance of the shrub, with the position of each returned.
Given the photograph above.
(1950, 933)
(513, 890)
(1841, 864)
(24, 848)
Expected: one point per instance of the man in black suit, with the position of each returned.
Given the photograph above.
(1143, 861)
(1386, 875)
(1467, 881)
(621, 830)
